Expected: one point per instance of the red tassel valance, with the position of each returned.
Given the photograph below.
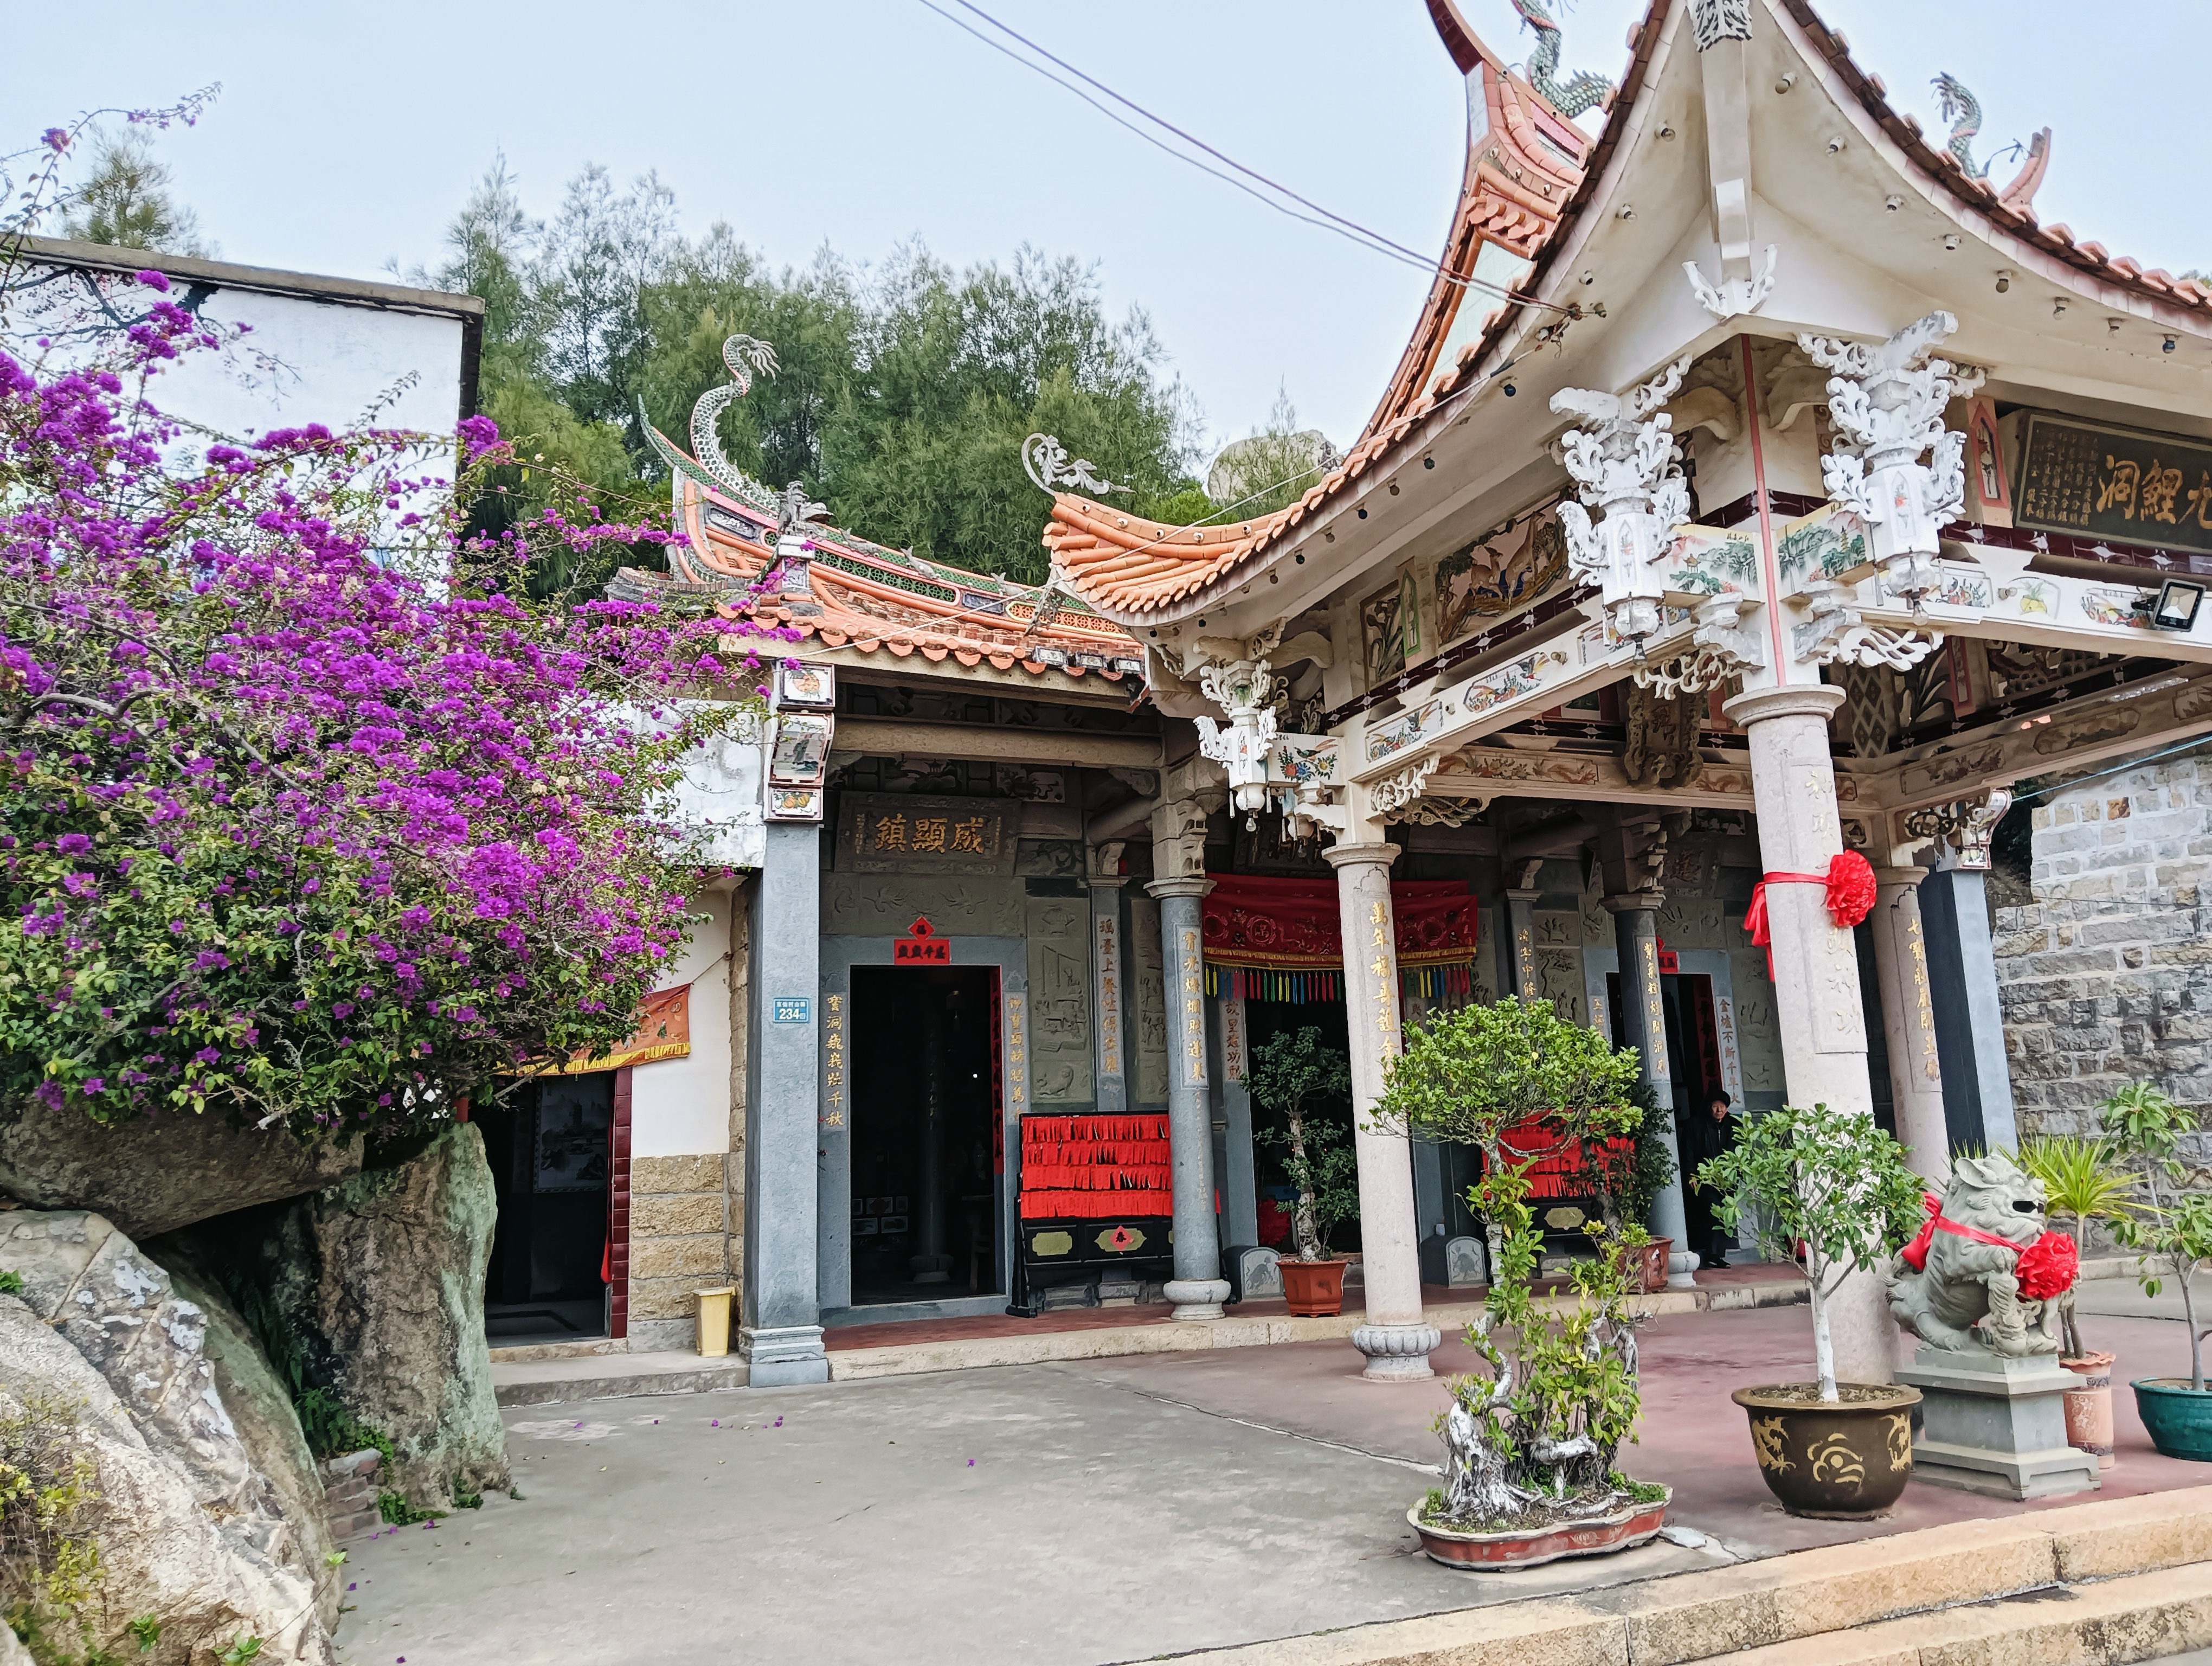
(1295, 925)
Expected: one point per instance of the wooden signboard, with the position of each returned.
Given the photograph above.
(2095, 481)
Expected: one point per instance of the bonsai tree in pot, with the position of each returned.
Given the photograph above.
(1832, 1181)
(2173, 1230)
(1475, 1074)
(1628, 1178)
(1529, 1448)
(1288, 1073)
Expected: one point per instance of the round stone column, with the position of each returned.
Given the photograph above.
(1198, 1289)
(1908, 1021)
(1396, 1339)
(1636, 937)
(1816, 970)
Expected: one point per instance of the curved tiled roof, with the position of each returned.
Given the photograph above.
(865, 598)
(2009, 213)
(1135, 590)
(1128, 564)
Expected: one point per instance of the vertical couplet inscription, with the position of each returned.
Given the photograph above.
(1106, 930)
(1194, 1011)
(833, 1061)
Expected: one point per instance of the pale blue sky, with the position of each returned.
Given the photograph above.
(346, 137)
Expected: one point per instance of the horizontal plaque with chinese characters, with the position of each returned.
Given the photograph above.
(2094, 481)
(887, 832)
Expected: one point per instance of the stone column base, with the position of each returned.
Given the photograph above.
(1995, 1426)
(1680, 1264)
(783, 1356)
(1397, 1353)
(1196, 1298)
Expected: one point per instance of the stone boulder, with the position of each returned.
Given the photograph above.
(163, 1551)
(152, 1175)
(186, 1370)
(385, 1272)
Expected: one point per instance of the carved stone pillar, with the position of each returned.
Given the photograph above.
(1396, 1339)
(1816, 979)
(1521, 942)
(1908, 1021)
(1108, 986)
(1240, 1204)
(1198, 1289)
(1644, 1016)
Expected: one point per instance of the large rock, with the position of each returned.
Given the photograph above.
(390, 1269)
(184, 1366)
(162, 1550)
(151, 1175)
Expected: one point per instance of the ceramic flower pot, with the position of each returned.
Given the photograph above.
(2178, 1416)
(1631, 1524)
(1845, 1461)
(1314, 1289)
(2089, 1408)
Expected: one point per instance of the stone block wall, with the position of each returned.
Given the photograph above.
(2107, 975)
(679, 1241)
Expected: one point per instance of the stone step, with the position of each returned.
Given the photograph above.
(355, 1524)
(613, 1377)
(2144, 1616)
(2137, 1570)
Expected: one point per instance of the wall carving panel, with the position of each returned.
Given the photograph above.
(1149, 1082)
(1060, 1001)
(885, 904)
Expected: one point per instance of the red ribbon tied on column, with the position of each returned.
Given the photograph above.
(1850, 888)
(2046, 1269)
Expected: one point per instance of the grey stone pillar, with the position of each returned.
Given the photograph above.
(1644, 1016)
(1817, 1003)
(1520, 943)
(1397, 1337)
(1962, 972)
(1239, 1182)
(1108, 984)
(1908, 1021)
(1198, 1289)
(780, 1330)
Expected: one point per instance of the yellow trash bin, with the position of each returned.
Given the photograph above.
(715, 1321)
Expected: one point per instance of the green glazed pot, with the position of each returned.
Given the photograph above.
(2178, 1416)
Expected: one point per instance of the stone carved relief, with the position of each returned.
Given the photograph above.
(885, 904)
(1559, 980)
(1692, 922)
(1060, 1001)
(1757, 1033)
(1557, 928)
(1597, 924)
(1661, 746)
(1625, 461)
(1149, 1082)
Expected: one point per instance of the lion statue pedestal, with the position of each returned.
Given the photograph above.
(1983, 1288)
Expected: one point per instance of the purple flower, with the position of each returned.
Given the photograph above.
(154, 280)
(55, 139)
(73, 844)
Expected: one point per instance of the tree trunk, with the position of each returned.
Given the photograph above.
(1824, 1343)
(2184, 1268)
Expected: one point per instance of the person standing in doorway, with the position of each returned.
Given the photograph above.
(1706, 1138)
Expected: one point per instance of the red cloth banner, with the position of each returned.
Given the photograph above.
(1294, 925)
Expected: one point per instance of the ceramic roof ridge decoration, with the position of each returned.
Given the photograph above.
(1139, 582)
(861, 597)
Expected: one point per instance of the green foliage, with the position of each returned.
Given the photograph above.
(147, 1630)
(2172, 1230)
(397, 1511)
(1471, 1074)
(1627, 1183)
(466, 1496)
(11, 1283)
(332, 1431)
(900, 402)
(125, 202)
(1829, 1180)
(242, 1649)
(2081, 1181)
(1287, 1071)
(50, 1568)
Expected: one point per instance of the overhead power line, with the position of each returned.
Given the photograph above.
(1323, 218)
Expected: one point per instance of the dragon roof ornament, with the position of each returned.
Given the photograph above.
(1050, 469)
(1585, 91)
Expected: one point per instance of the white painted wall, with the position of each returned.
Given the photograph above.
(680, 1107)
(303, 360)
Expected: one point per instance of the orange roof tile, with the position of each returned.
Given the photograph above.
(869, 599)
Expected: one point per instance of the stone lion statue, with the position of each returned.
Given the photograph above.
(1985, 1275)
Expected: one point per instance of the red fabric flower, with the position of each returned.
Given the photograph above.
(2047, 1267)
(1850, 889)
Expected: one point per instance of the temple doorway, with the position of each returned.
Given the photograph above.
(550, 1147)
(924, 1117)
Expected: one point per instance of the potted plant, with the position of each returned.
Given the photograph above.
(1529, 1448)
(2081, 1181)
(2173, 1232)
(1287, 1071)
(1475, 1074)
(1832, 1181)
(1628, 1181)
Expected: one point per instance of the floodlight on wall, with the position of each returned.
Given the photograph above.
(2178, 604)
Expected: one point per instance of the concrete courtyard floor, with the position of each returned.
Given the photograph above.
(1095, 1512)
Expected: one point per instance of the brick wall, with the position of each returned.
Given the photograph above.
(2107, 975)
(678, 1243)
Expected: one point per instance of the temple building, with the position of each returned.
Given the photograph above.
(1760, 483)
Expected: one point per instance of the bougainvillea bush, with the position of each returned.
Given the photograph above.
(307, 813)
